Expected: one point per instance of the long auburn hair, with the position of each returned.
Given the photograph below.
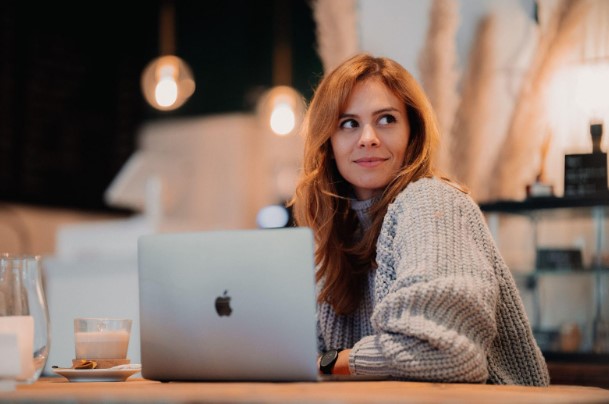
(322, 197)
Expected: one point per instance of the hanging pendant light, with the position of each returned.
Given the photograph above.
(282, 107)
(167, 82)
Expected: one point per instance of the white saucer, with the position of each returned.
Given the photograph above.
(96, 375)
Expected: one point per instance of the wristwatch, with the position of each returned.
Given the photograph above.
(328, 360)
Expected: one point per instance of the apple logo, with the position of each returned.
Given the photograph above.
(223, 305)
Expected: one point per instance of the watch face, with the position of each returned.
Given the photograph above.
(328, 358)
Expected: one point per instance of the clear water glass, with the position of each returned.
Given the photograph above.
(23, 302)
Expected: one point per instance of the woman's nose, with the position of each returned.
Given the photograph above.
(368, 137)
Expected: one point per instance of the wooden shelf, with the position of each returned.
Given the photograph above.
(546, 203)
(549, 202)
(578, 368)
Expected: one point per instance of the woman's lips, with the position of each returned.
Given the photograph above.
(370, 161)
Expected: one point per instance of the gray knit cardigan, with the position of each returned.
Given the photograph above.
(442, 305)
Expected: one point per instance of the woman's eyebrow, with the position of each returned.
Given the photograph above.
(377, 112)
(388, 109)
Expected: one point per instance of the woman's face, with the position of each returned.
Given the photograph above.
(371, 139)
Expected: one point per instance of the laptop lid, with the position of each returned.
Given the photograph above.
(228, 305)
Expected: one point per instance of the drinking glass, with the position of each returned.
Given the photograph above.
(23, 303)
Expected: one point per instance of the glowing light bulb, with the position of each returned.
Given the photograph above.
(281, 110)
(166, 92)
(167, 83)
(283, 119)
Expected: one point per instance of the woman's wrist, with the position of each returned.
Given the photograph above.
(342, 363)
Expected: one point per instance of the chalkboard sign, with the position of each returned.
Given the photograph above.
(585, 174)
(559, 258)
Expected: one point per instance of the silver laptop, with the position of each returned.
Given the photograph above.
(228, 305)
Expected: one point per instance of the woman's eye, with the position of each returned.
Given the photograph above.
(349, 124)
(386, 119)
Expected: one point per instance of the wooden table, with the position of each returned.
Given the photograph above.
(135, 390)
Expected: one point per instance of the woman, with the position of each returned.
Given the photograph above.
(411, 284)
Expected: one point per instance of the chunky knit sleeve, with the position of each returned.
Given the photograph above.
(437, 290)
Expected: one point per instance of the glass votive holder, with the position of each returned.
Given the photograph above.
(103, 340)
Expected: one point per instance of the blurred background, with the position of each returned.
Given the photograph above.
(119, 119)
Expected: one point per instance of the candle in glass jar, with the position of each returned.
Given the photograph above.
(103, 344)
(18, 332)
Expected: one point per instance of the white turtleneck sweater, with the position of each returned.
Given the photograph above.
(442, 305)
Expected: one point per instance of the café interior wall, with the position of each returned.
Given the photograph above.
(228, 167)
(28, 229)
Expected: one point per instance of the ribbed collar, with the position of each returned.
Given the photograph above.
(362, 210)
